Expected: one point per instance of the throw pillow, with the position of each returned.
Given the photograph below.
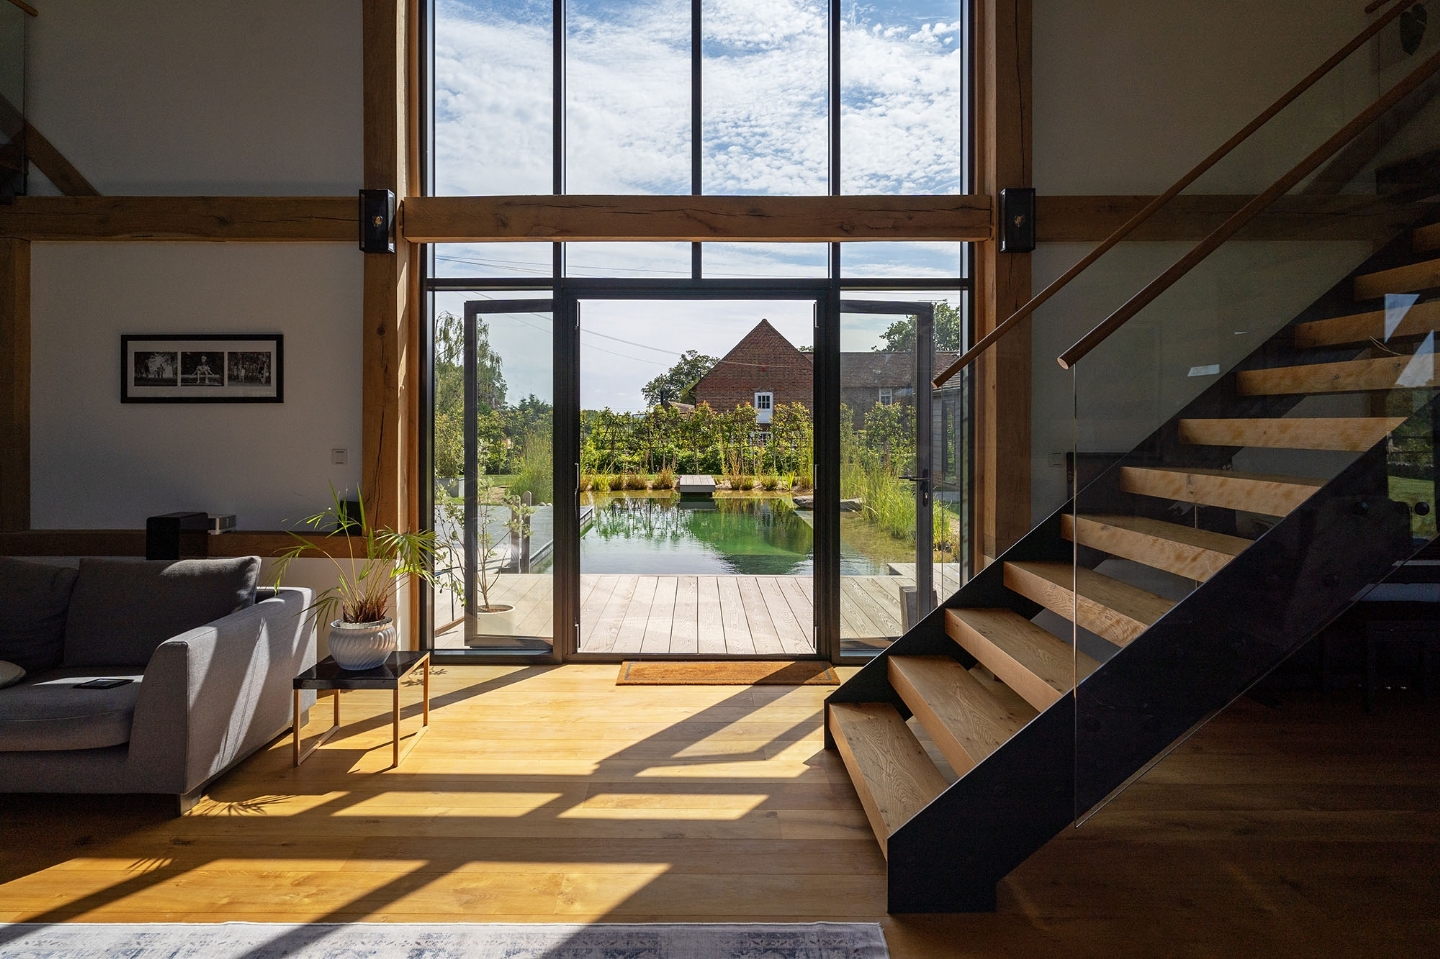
(123, 609)
(10, 674)
(34, 597)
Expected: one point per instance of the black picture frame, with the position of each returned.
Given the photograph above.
(202, 368)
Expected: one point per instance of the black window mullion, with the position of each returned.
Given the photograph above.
(696, 123)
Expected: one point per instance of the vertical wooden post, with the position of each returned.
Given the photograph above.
(391, 280)
(1003, 134)
(14, 385)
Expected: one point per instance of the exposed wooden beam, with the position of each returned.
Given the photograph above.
(1004, 151)
(389, 323)
(131, 542)
(14, 384)
(786, 219)
(41, 152)
(1090, 219)
(286, 218)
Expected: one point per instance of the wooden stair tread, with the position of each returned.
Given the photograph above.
(1255, 492)
(1350, 376)
(1420, 319)
(1427, 238)
(1424, 275)
(1354, 434)
(1183, 550)
(1035, 664)
(893, 776)
(1105, 606)
(964, 720)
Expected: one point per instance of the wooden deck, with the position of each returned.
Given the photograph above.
(701, 615)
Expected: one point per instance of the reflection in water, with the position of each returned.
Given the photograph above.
(748, 536)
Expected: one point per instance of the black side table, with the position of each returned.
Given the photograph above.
(327, 675)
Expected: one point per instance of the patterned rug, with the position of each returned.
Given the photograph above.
(256, 940)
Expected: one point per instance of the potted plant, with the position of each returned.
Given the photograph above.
(494, 618)
(362, 634)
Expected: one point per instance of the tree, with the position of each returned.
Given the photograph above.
(900, 336)
(679, 379)
(450, 398)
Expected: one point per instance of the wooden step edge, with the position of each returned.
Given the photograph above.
(965, 721)
(1404, 372)
(1255, 493)
(1035, 664)
(893, 775)
(1192, 553)
(1412, 278)
(1107, 607)
(1427, 238)
(1418, 320)
(1353, 434)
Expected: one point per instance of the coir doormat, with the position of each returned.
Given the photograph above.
(727, 673)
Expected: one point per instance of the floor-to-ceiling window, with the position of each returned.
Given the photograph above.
(674, 97)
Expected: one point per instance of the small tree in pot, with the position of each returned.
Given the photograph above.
(370, 566)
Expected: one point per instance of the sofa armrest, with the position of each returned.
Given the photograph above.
(214, 694)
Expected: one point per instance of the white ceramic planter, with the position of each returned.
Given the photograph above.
(499, 622)
(362, 645)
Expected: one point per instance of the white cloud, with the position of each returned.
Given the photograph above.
(764, 111)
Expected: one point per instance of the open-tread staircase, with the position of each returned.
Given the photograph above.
(995, 689)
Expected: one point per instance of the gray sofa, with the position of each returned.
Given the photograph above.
(210, 656)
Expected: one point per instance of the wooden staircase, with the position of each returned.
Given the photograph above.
(983, 678)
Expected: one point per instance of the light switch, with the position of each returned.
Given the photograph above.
(339, 457)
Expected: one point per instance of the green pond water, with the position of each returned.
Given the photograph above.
(727, 535)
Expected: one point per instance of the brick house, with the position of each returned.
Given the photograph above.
(763, 370)
(874, 377)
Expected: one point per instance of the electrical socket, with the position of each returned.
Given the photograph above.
(339, 457)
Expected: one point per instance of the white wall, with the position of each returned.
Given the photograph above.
(182, 97)
(99, 463)
(1128, 96)
(179, 97)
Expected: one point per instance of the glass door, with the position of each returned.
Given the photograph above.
(696, 479)
(493, 466)
(888, 520)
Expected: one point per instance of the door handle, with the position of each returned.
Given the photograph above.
(922, 484)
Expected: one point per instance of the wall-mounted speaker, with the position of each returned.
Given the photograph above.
(1017, 220)
(377, 221)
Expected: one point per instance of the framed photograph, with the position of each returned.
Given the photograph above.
(202, 368)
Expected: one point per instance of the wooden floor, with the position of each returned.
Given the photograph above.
(550, 794)
(708, 615)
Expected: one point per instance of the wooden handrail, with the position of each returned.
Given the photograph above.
(985, 342)
(1248, 212)
(1374, 5)
(26, 7)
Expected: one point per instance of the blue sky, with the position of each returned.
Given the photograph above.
(628, 131)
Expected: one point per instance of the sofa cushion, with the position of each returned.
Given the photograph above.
(47, 712)
(33, 601)
(121, 610)
(10, 674)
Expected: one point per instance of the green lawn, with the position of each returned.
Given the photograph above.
(1410, 492)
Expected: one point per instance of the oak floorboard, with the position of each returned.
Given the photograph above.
(1305, 830)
